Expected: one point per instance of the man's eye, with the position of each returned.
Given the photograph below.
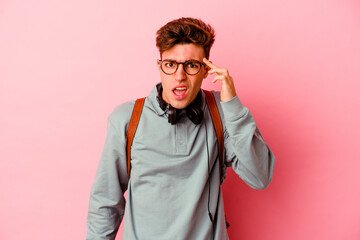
(192, 65)
(169, 64)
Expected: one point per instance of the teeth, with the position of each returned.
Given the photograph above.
(181, 88)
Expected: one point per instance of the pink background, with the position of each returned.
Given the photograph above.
(64, 65)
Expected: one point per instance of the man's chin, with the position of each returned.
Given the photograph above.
(179, 105)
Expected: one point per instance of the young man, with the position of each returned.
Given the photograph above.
(173, 191)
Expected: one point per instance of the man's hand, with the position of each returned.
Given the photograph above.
(227, 84)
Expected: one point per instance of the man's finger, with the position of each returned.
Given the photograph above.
(210, 64)
(217, 78)
(218, 71)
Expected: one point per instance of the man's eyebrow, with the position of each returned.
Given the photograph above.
(172, 60)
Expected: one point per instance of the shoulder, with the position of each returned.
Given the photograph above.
(121, 114)
(217, 98)
(216, 95)
(218, 103)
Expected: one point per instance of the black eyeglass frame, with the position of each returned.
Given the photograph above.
(177, 65)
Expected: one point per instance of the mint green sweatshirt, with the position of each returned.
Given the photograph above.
(174, 181)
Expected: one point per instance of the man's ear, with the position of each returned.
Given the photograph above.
(158, 64)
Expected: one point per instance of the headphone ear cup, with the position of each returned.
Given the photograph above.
(172, 115)
(195, 114)
(161, 101)
(194, 110)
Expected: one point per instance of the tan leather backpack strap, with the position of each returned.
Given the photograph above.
(216, 119)
(134, 121)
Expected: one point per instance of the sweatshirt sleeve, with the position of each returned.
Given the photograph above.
(107, 202)
(245, 148)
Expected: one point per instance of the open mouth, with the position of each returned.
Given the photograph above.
(180, 92)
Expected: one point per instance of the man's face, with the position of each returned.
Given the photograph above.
(180, 88)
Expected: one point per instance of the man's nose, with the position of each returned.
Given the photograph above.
(180, 73)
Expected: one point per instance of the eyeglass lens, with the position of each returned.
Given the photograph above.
(191, 67)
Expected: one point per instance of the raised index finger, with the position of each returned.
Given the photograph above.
(209, 64)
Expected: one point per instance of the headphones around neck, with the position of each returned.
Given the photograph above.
(193, 110)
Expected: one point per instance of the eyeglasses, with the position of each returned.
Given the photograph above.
(191, 67)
